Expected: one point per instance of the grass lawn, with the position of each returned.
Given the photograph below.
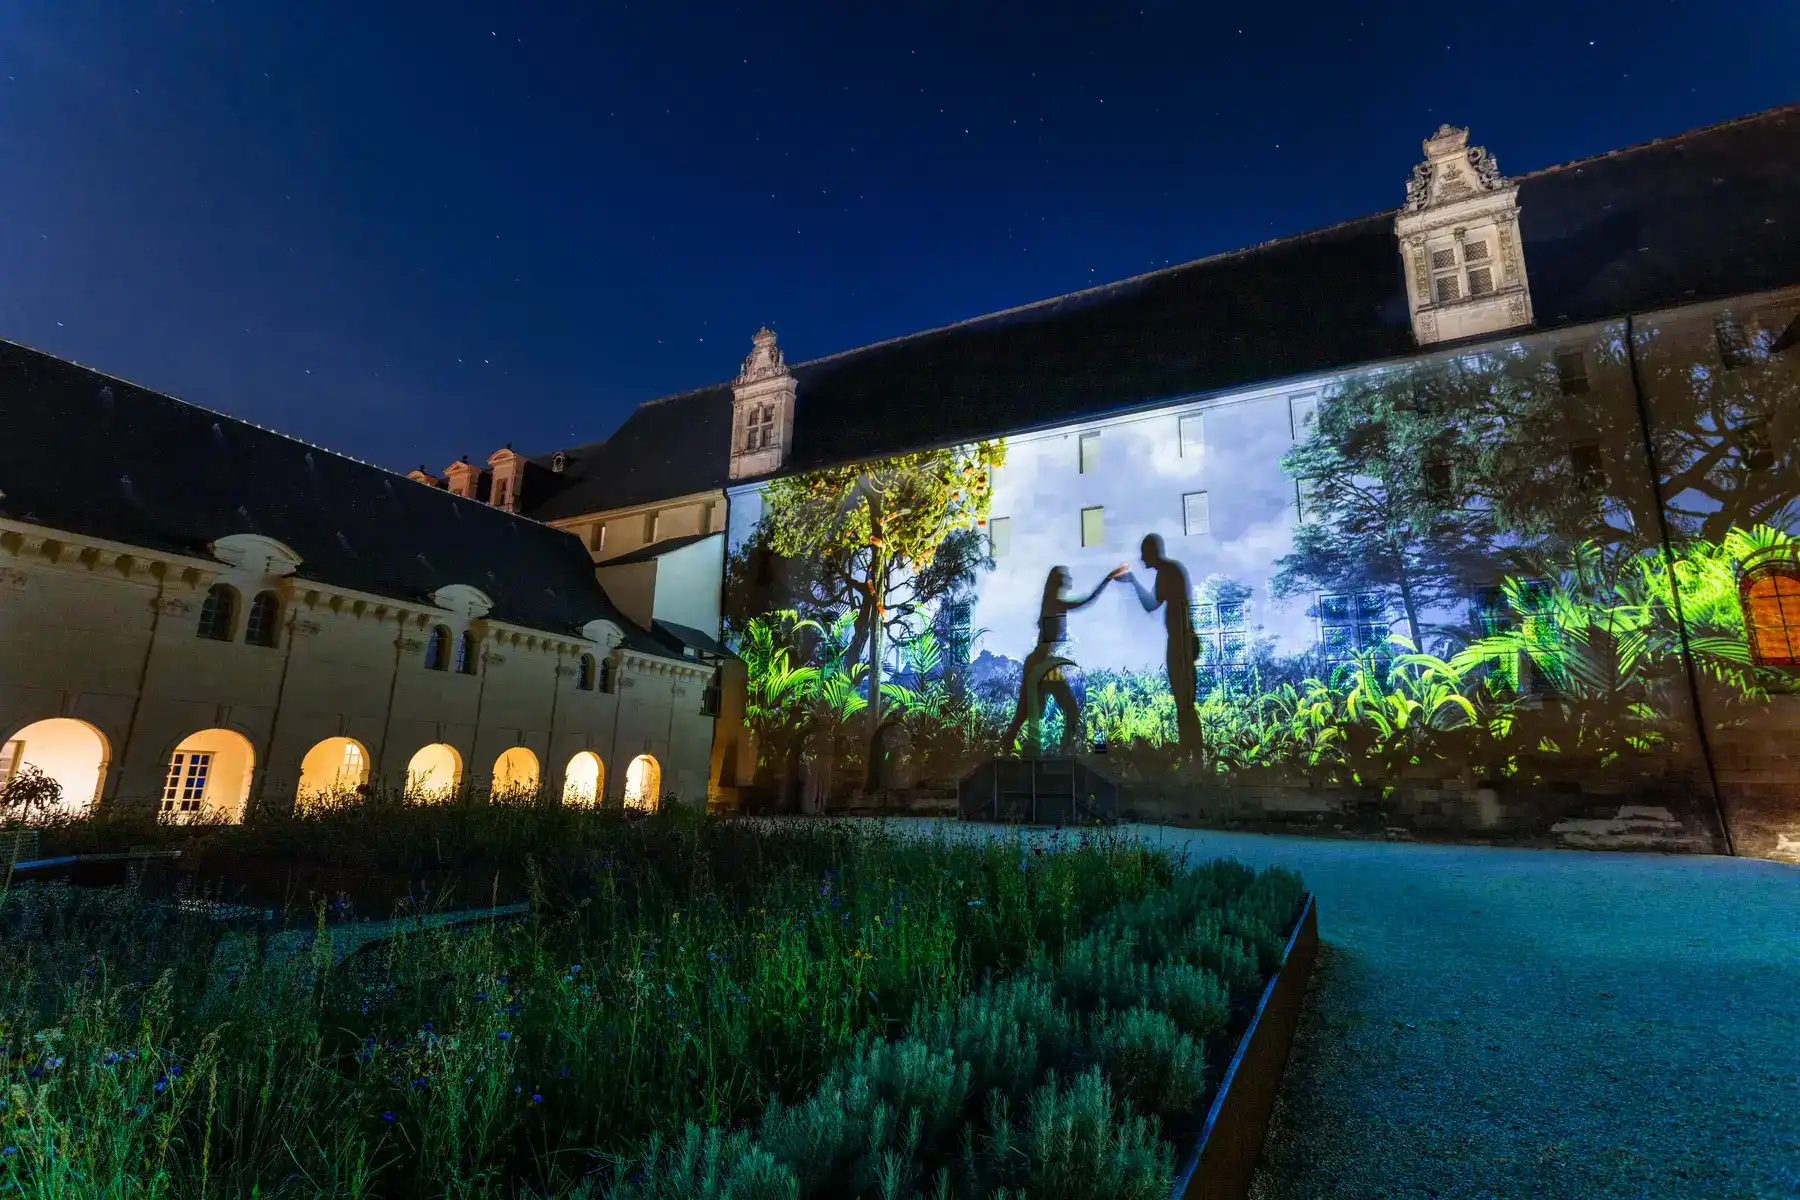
(692, 1008)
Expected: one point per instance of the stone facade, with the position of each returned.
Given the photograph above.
(108, 635)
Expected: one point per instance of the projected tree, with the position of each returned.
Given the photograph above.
(884, 541)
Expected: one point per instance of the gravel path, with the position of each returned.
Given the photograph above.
(1495, 1023)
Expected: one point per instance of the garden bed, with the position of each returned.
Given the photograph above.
(806, 1009)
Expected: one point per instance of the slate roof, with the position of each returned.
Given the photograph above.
(90, 454)
(656, 550)
(1700, 216)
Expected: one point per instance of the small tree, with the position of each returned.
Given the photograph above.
(888, 539)
(28, 797)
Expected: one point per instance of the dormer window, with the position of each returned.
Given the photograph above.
(559, 462)
(1459, 271)
(760, 433)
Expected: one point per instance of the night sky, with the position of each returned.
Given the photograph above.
(412, 231)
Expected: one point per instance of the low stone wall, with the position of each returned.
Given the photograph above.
(1671, 815)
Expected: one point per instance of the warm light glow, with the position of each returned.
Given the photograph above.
(434, 775)
(208, 777)
(643, 784)
(332, 771)
(71, 752)
(516, 772)
(582, 780)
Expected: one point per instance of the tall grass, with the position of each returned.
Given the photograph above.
(702, 1008)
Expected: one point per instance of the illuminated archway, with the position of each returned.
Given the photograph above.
(207, 777)
(72, 752)
(434, 775)
(584, 780)
(332, 771)
(643, 784)
(516, 773)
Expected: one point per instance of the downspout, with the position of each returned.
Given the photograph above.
(143, 680)
(1668, 556)
(481, 667)
(268, 758)
(387, 721)
(550, 738)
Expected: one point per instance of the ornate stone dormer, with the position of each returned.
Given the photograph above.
(508, 467)
(1459, 243)
(463, 478)
(425, 477)
(762, 404)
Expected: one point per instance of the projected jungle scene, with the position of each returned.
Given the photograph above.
(1449, 570)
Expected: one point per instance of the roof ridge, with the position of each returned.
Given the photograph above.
(1666, 140)
(299, 441)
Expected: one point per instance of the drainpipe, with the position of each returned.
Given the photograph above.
(268, 757)
(550, 739)
(387, 721)
(143, 680)
(481, 668)
(1668, 557)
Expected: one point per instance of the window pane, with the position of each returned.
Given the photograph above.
(1196, 514)
(1571, 372)
(1000, 537)
(1193, 435)
(1302, 410)
(1093, 526)
(1231, 616)
(1090, 452)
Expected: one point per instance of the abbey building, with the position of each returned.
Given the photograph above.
(1480, 515)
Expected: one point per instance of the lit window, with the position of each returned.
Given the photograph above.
(1089, 444)
(1093, 526)
(652, 524)
(1193, 435)
(1352, 623)
(184, 789)
(600, 536)
(353, 761)
(1196, 514)
(584, 673)
(437, 649)
(1000, 537)
(1772, 612)
(759, 430)
(216, 613)
(465, 654)
(1461, 270)
(11, 755)
(500, 486)
(1571, 372)
(263, 624)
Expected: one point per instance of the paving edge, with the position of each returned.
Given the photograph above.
(1231, 1141)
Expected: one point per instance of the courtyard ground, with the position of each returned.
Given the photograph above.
(1490, 1022)
(1495, 1024)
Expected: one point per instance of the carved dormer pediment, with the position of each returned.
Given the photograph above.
(762, 403)
(1459, 243)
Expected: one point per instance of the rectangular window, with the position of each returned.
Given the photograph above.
(11, 755)
(1734, 345)
(959, 631)
(1224, 642)
(1586, 466)
(1000, 537)
(1093, 526)
(1753, 436)
(1303, 410)
(1440, 480)
(1090, 452)
(1352, 623)
(1193, 435)
(1465, 269)
(1196, 514)
(185, 787)
(599, 536)
(1481, 281)
(711, 696)
(652, 522)
(1571, 372)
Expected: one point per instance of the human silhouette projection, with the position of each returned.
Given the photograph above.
(1171, 592)
(1043, 672)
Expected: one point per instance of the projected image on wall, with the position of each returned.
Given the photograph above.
(1451, 569)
